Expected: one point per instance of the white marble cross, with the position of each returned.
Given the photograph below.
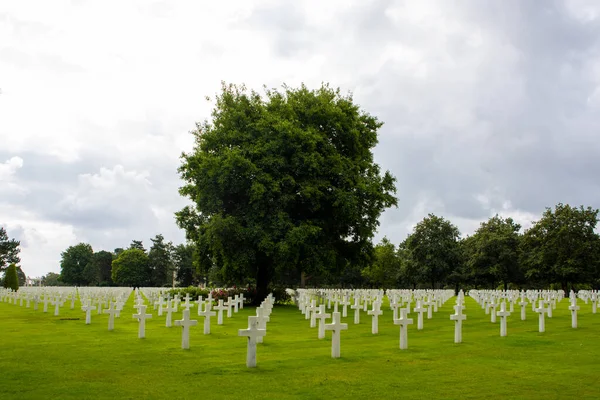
(252, 333)
(345, 303)
(541, 310)
(199, 304)
(336, 327)
(503, 314)
(419, 309)
(375, 312)
(220, 308)
(111, 311)
(229, 304)
(236, 303)
(207, 313)
(574, 308)
(262, 318)
(312, 309)
(88, 313)
(523, 304)
(403, 321)
(56, 304)
(429, 304)
(185, 324)
(356, 307)
(322, 316)
(46, 301)
(458, 317)
(492, 306)
(142, 316)
(169, 309)
(241, 301)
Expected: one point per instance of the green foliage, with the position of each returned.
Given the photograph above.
(492, 253)
(283, 183)
(137, 244)
(432, 251)
(9, 250)
(98, 270)
(131, 268)
(385, 270)
(183, 259)
(11, 280)
(22, 278)
(160, 262)
(52, 279)
(563, 247)
(73, 263)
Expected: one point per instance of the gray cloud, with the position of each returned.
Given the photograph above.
(488, 107)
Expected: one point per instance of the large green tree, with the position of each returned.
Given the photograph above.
(284, 181)
(130, 268)
(492, 253)
(73, 263)
(11, 279)
(9, 250)
(432, 251)
(563, 247)
(160, 261)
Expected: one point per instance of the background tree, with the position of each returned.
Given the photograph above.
(9, 250)
(51, 279)
(562, 247)
(73, 263)
(432, 250)
(492, 253)
(284, 183)
(137, 244)
(160, 262)
(183, 260)
(11, 280)
(98, 270)
(130, 268)
(22, 278)
(385, 269)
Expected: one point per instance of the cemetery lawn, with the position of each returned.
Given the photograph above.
(48, 357)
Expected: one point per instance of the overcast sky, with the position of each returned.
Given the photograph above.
(489, 106)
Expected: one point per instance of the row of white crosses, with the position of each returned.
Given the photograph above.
(399, 300)
(542, 303)
(257, 329)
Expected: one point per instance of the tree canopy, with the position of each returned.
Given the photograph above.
(432, 250)
(131, 268)
(9, 250)
(492, 253)
(73, 263)
(563, 247)
(284, 182)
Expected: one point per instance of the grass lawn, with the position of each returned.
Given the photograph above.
(47, 357)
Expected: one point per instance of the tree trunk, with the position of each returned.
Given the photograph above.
(303, 279)
(505, 286)
(263, 279)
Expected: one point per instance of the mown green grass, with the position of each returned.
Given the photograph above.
(47, 357)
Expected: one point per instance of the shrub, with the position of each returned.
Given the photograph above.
(11, 279)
